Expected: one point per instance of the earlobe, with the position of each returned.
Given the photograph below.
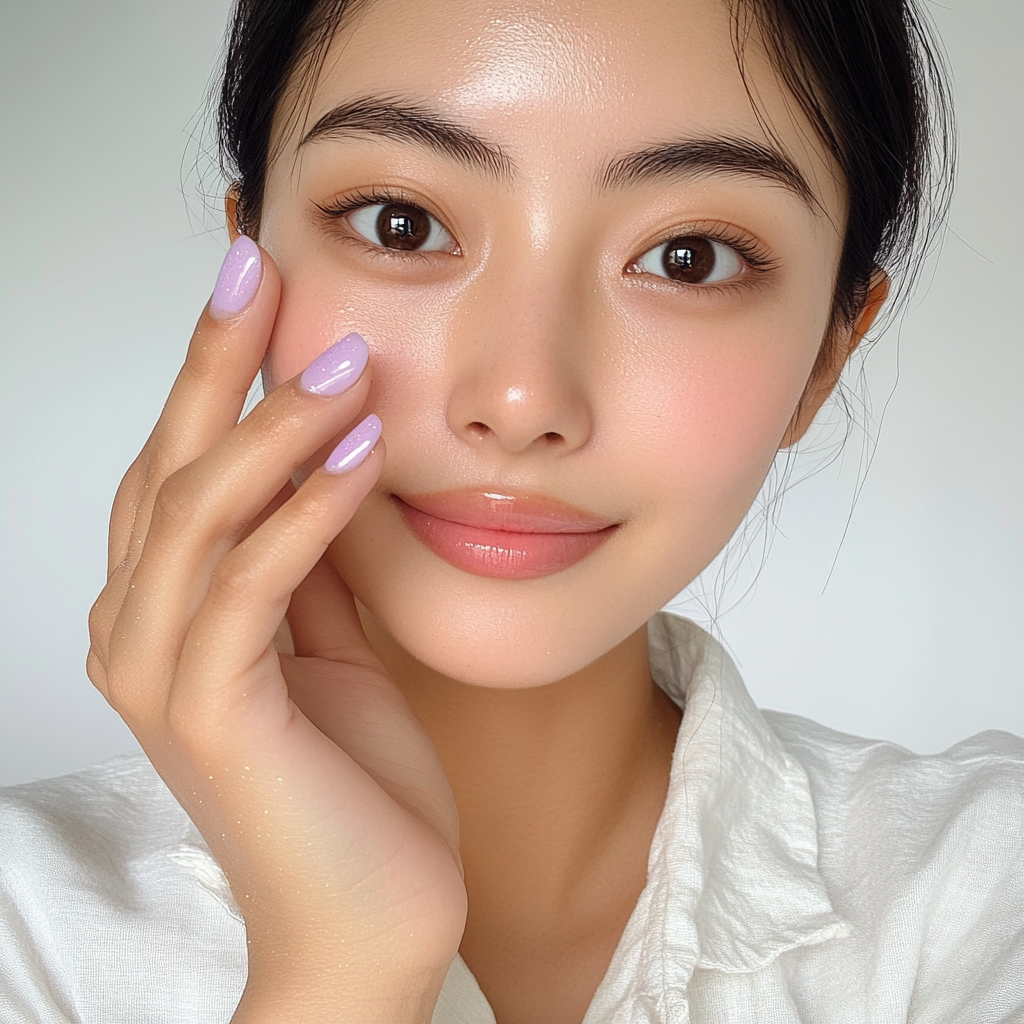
(825, 375)
(231, 211)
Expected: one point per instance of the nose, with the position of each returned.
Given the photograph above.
(519, 369)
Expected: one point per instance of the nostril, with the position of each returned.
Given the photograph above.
(477, 429)
(553, 437)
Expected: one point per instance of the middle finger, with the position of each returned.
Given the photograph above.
(205, 508)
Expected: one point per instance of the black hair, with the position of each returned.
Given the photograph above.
(867, 74)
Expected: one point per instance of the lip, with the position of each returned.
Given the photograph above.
(503, 534)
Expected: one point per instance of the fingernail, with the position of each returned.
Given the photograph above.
(337, 369)
(354, 448)
(238, 279)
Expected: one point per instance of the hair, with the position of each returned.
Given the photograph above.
(867, 73)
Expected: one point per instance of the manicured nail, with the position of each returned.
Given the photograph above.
(238, 279)
(337, 369)
(355, 446)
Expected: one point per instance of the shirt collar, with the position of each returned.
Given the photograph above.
(732, 877)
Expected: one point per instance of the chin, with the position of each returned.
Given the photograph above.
(498, 633)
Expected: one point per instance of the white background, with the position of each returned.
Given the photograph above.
(916, 636)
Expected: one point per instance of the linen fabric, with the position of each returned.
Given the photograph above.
(796, 874)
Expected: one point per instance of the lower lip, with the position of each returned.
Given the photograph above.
(501, 553)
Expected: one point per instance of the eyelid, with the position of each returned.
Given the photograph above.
(750, 248)
(341, 206)
(757, 258)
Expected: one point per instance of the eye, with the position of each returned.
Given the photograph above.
(400, 226)
(691, 259)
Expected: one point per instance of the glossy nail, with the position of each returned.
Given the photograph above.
(337, 369)
(238, 280)
(354, 448)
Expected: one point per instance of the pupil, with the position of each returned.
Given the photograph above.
(690, 259)
(402, 227)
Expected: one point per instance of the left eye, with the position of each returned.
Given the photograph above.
(399, 226)
(691, 259)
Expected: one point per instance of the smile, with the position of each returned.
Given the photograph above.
(503, 535)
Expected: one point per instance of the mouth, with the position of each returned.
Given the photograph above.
(504, 534)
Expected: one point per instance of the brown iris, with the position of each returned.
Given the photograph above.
(402, 227)
(689, 258)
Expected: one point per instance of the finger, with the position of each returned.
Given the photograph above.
(224, 489)
(123, 512)
(102, 616)
(203, 512)
(224, 355)
(323, 618)
(278, 501)
(207, 507)
(249, 594)
(108, 604)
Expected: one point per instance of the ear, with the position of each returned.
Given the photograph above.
(231, 211)
(825, 374)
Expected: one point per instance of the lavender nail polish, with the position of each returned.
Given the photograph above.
(238, 280)
(355, 446)
(337, 369)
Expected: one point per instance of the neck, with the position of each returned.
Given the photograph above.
(553, 783)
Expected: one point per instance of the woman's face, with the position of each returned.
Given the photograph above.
(593, 288)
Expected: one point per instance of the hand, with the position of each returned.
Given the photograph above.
(309, 776)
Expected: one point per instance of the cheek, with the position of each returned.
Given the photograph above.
(403, 327)
(709, 412)
(727, 417)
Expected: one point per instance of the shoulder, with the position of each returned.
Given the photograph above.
(867, 783)
(924, 856)
(104, 884)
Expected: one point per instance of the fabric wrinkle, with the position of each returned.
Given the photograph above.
(796, 874)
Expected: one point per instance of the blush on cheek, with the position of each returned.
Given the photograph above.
(305, 327)
(319, 306)
(722, 425)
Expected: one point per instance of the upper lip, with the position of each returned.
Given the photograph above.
(506, 510)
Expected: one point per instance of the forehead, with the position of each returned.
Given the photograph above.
(557, 81)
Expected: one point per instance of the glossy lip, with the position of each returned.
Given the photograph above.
(503, 534)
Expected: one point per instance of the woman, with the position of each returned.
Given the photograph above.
(584, 268)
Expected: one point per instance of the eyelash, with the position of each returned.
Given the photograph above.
(754, 254)
(340, 207)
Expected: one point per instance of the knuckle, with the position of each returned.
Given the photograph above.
(96, 670)
(204, 358)
(190, 732)
(163, 465)
(195, 728)
(123, 692)
(99, 620)
(178, 504)
(235, 578)
(210, 364)
(129, 483)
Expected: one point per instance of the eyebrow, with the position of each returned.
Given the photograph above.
(717, 155)
(408, 122)
(393, 118)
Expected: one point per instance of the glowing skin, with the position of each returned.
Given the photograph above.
(532, 360)
(537, 346)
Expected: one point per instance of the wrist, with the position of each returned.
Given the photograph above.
(342, 993)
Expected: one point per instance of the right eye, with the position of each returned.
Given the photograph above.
(401, 226)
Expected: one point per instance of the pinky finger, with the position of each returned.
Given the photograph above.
(252, 585)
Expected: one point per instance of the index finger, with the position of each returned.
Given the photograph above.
(224, 355)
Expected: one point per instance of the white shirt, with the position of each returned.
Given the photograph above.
(796, 874)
